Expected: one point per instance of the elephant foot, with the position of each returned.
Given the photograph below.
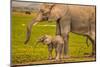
(58, 60)
(87, 54)
(90, 55)
(65, 57)
(93, 54)
(50, 58)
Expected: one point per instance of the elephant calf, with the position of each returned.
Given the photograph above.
(56, 43)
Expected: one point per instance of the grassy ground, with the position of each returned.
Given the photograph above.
(23, 54)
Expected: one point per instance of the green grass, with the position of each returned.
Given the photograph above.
(31, 52)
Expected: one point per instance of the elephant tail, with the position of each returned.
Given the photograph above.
(28, 34)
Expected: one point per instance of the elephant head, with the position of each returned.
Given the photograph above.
(44, 14)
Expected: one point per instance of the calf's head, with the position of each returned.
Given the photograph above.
(46, 39)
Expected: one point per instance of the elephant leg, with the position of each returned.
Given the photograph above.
(65, 37)
(50, 52)
(94, 49)
(60, 51)
(63, 30)
(93, 43)
(58, 28)
(93, 46)
(57, 53)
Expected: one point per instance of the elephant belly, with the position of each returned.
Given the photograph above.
(81, 27)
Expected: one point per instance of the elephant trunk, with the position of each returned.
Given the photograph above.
(28, 34)
(29, 27)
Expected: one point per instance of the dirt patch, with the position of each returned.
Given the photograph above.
(67, 60)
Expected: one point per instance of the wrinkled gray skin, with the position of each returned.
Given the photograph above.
(56, 43)
(69, 18)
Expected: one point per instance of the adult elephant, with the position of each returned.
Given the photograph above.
(69, 18)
